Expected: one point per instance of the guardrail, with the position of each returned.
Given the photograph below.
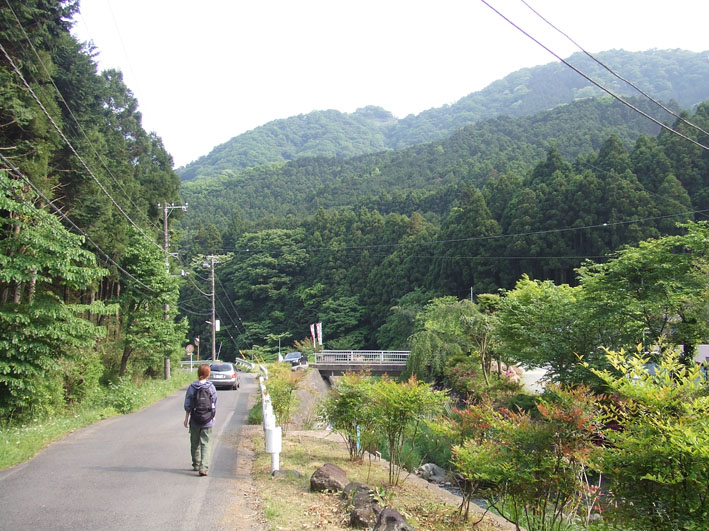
(369, 357)
(196, 363)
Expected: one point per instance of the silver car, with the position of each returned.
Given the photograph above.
(224, 375)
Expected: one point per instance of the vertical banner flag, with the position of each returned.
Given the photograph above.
(312, 333)
(318, 326)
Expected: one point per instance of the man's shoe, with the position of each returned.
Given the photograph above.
(195, 468)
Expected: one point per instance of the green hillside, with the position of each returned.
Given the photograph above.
(415, 178)
(669, 75)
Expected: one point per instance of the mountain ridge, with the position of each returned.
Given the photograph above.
(672, 75)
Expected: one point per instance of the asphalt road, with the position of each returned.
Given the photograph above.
(129, 472)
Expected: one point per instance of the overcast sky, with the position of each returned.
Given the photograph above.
(206, 71)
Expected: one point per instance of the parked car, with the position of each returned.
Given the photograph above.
(224, 375)
(296, 359)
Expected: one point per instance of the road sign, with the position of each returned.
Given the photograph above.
(189, 349)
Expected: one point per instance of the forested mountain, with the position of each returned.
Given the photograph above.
(420, 178)
(344, 242)
(669, 75)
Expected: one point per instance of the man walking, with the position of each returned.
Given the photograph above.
(200, 409)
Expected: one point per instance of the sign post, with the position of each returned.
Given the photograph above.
(189, 349)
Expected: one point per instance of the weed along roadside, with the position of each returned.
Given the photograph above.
(287, 501)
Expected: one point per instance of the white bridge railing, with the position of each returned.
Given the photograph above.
(370, 357)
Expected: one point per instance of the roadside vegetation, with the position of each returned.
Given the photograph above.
(20, 440)
(287, 502)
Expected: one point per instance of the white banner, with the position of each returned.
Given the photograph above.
(318, 326)
(312, 333)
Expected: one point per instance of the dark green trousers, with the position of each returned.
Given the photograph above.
(200, 448)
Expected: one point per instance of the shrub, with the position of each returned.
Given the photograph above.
(400, 410)
(346, 409)
(657, 461)
(534, 472)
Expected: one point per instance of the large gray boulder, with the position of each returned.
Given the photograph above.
(328, 477)
(431, 472)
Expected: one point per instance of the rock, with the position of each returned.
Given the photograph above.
(431, 472)
(595, 517)
(391, 520)
(328, 477)
(357, 493)
(364, 509)
(365, 516)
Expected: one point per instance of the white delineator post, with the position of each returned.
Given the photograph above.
(272, 433)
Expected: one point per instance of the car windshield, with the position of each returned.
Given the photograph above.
(293, 355)
(221, 367)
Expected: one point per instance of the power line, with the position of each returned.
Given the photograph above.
(246, 331)
(80, 128)
(591, 80)
(612, 72)
(604, 225)
(73, 150)
(17, 172)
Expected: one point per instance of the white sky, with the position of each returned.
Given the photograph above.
(205, 71)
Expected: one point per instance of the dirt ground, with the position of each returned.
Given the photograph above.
(245, 512)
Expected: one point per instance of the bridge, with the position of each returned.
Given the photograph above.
(376, 362)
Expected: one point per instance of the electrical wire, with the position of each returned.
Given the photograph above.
(73, 150)
(612, 72)
(80, 128)
(604, 225)
(11, 167)
(591, 80)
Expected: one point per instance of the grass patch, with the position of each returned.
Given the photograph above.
(288, 503)
(20, 442)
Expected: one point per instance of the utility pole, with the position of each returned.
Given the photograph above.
(214, 317)
(213, 322)
(166, 209)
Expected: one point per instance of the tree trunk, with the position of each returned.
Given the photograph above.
(127, 351)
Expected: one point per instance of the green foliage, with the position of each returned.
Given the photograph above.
(534, 472)
(123, 395)
(401, 408)
(453, 429)
(545, 325)
(38, 259)
(148, 310)
(400, 322)
(56, 303)
(255, 414)
(655, 289)
(347, 408)
(657, 460)
(441, 334)
(282, 384)
(82, 375)
(452, 329)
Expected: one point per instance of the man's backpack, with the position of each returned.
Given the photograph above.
(202, 411)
